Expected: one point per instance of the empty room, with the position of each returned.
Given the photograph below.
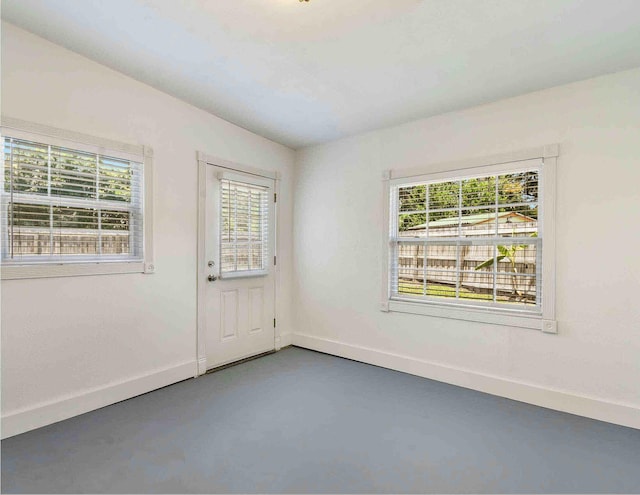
(320, 246)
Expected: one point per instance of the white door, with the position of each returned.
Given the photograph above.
(239, 266)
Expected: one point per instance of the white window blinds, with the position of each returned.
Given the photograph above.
(470, 239)
(244, 227)
(67, 205)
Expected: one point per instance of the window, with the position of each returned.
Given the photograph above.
(244, 227)
(472, 239)
(68, 204)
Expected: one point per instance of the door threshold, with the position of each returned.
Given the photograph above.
(240, 361)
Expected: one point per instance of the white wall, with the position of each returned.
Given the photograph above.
(66, 337)
(593, 366)
(81, 337)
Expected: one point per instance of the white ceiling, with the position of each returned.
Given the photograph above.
(304, 73)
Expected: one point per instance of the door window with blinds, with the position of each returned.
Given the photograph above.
(469, 238)
(244, 228)
(65, 205)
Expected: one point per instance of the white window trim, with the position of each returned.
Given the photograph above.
(544, 321)
(59, 137)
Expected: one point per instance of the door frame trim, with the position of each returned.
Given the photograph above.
(236, 167)
(203, 161)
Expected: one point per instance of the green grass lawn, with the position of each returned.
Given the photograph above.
(439, 290)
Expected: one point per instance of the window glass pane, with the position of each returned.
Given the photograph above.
(410, 262)
(73, 173)
(29, 229)
(243, 226)
(75, 231)
(412, 224)
(255, 217)
(115, 232)
(62, 203)
(441, 284)
(442, 256)
(77, 243)
(516, 273)
(460, 249)
(410, 286)
(114, 220)
(443, 224)
(26, 167)
(521, 187)
(477, 257)
(518, 221)
(479, 222)
(65, 217)
(256, 257)
(515, 289)
(27, 215)
(442, 260)
(476, 285)
(227, 258)
(115, 179)
(517, 258)
(242, 257)
(444, 195)
(412, 198)
(479, 191)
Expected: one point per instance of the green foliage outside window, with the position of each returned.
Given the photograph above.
(469, 193)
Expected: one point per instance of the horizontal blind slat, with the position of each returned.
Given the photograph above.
(472, 240)
(243, 226)
(61, 204)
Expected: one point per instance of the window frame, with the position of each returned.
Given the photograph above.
(20, 129)
(544, 319)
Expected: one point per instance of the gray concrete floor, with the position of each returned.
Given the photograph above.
(300, 421)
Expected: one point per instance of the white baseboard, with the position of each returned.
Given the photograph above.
(52, 412)
(610, 412)
(202, 366)
(285, 339)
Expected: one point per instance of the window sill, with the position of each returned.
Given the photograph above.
(16, 272)
(490, 315)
